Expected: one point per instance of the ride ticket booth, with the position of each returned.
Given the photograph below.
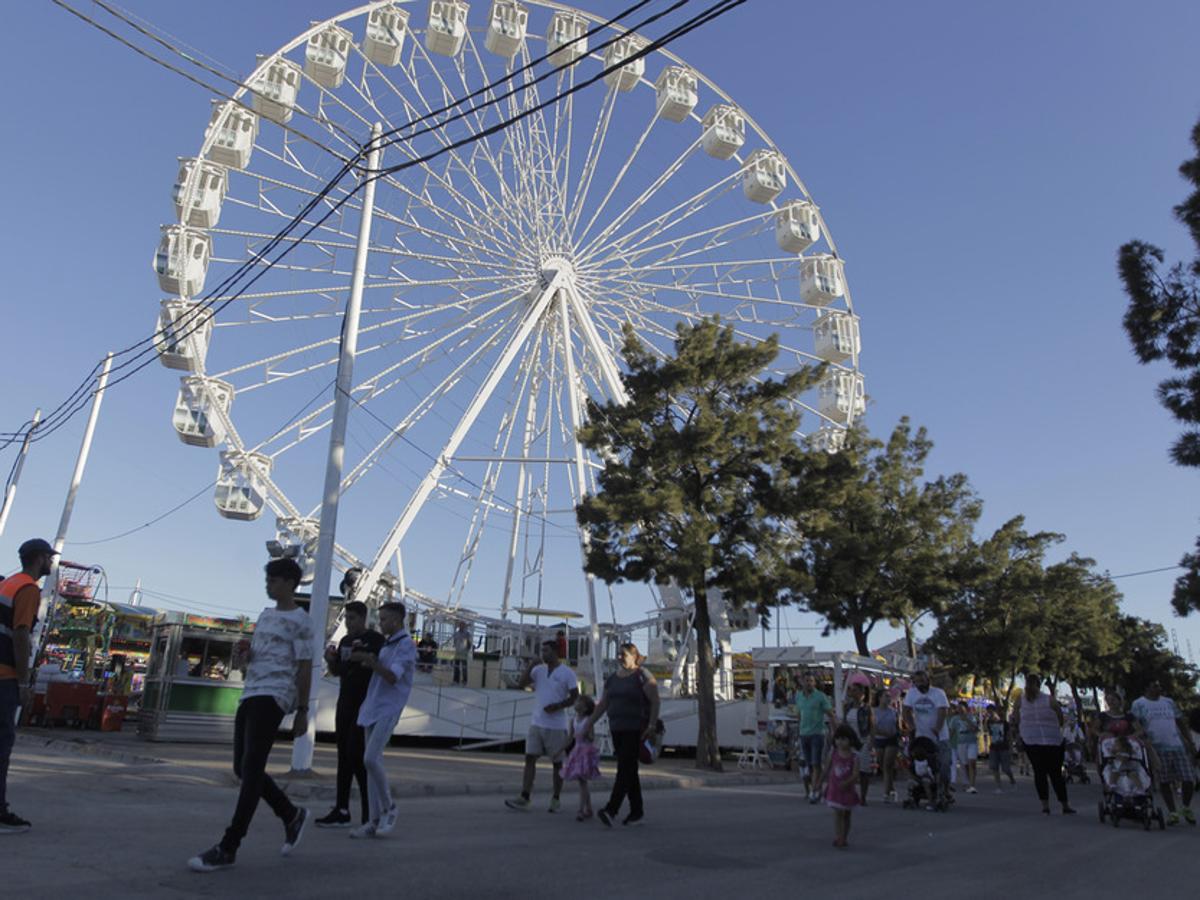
(191, 690)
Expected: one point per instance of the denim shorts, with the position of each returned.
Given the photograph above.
(812, 748)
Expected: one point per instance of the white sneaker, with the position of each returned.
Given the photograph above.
(971, 790)
(366, 830)
(387, 822)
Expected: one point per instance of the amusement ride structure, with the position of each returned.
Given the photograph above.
(496, 275)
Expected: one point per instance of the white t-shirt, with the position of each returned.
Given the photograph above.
(282, 640)
(1158, 718)
(925, 712)
(549, 688)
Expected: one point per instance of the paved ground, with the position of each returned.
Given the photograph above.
(105, 827)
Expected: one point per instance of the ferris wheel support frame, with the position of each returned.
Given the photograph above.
(318, 612)
(442, 462)
(574, 404)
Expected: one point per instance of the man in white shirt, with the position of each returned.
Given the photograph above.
(556, 689)
(925, 711)
(1171, 740)
(278, 667)
(391, 684)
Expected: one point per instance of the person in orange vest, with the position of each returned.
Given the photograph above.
(20, 598)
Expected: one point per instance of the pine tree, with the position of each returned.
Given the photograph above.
(1163, 323)
(689, 461)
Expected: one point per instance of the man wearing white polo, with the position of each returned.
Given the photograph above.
(555, 691)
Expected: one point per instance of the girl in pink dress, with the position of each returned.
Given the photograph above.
(841, 794)
(583, 762)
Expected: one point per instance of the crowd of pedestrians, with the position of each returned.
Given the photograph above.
(376, 671)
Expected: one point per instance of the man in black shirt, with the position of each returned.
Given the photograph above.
(350, 738)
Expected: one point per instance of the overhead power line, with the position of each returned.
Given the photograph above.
(205, 311)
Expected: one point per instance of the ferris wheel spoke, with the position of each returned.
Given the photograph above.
(649, 305)
(444, 181)
(591, 160)
(482, 145)
(424, 406)
(620, 175)
(374, 388)
(641, 200)
(677, 214)
(714, 237)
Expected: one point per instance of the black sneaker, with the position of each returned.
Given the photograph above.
(337, 818)
(606, 817)
(11, 823)
(294, 830)
(213, 858)
(632, 820)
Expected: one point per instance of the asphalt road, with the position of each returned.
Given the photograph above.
(111, 829)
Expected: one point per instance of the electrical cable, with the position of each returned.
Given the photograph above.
(202, 312)
(199, 493)
(79, 397)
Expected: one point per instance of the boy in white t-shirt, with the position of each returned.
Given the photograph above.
(556, 689)
(278, 667)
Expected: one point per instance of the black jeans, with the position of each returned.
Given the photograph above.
(10, 698)
(626, 784)
(460, 670)
(351, 740)
(1047, 762)
(254, 733)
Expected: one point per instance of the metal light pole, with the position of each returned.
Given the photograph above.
(318, 611)
(11, 493)
(49, 589)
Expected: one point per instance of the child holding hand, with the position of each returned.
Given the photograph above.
(583, 761)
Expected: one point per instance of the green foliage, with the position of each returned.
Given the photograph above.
(1142, 655)
(995, 627)
(1163, 323)
(689, 461)
(873, 541)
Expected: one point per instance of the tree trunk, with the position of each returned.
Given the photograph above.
(860, 639)
(1078, 702)
(1096, 698)
(910, 642)
(708, 753)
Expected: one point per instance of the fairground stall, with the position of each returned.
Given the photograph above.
(192, 690)
(778, 671)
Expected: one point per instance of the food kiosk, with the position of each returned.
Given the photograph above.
(191, 690)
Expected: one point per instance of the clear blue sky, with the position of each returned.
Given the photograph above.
(979, 164)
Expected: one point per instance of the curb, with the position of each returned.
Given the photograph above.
(309, 787)
(84, 747)
(306, 788)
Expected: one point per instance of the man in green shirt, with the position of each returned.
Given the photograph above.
(813, 709)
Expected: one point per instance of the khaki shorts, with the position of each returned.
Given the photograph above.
(549, 742)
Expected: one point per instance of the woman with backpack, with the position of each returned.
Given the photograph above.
(631, 701)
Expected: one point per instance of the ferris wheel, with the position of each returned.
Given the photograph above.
(499, 277)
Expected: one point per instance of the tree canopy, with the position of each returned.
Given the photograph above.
(1163, 324)
(875, 543)
(689, 462)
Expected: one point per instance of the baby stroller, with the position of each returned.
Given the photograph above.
(1073, 767)
(1127, 783)
(924, 770)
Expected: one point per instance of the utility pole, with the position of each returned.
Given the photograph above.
(11, 493)
(50, 589)
(318, 610)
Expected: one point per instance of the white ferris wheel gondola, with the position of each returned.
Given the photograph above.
(499, 280)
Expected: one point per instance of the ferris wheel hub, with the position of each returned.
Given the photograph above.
(555, 265)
